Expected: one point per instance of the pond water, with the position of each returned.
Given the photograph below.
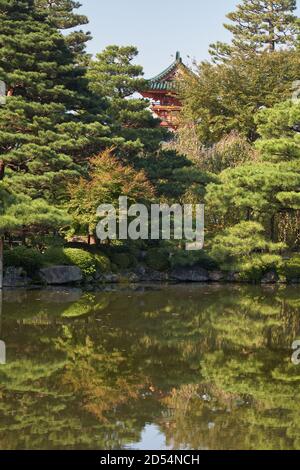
(153, 367)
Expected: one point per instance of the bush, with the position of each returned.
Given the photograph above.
(88, 262)
(55, 256)
(102, 262)
(123, 260)
(254, 268)
(30, 259)
(185, 258)
(158, 259)
(291, 268)
(82, 259)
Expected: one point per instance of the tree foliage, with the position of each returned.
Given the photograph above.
(258, 25)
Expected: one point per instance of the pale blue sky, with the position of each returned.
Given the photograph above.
(158, 27)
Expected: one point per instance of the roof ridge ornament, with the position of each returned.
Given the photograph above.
(178, 57)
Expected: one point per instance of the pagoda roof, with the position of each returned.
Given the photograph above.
(165, 80)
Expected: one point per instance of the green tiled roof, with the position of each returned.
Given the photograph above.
(161, 82)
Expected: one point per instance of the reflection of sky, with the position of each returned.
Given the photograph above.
(151, 439)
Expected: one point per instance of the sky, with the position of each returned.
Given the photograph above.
(158, 28)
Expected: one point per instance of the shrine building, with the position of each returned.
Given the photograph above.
(162, 92)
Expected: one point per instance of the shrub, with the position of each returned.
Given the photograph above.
(102, 262)
(254, 268)
(185, 258)
(55, 256)
(82, 259)
(291, 268)
(123, 260)
(30, 259)
(241, 241)
(86, 261)
(158, 259)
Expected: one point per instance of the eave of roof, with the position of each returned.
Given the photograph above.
(160, 81)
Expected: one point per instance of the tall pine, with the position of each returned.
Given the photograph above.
(64, 16)
(114, 75)
(51, 123)
(259, 25)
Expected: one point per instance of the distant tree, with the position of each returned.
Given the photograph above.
(225, 97)
(257, 26)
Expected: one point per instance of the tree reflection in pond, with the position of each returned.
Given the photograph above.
(209, 366)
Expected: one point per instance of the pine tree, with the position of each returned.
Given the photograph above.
(267, 192)
(259, 25)
(62, 15)
(114, 75)
(20, 215)
(50, 123)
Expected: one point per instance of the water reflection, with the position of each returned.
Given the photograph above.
(179, 367)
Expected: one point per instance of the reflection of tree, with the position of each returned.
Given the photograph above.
(210, 366)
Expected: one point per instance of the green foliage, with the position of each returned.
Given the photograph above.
(173, 175)
(291, 268)
(123, 260)
(62, 15)
(55, 256)
(82, 259)
(225, 97)
(50, 123)
(183, 258)
(279, 130)
(114, 75)
(108, 180)
(254, 267)
(258, 25)
(241, 241)
(88, 262)
(157, 259)
(30, 259)
(102, 262)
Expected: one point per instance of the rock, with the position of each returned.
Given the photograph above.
(109, 278)
(195, 274)
(232, 276)
(15, 277)
(145, 274)
(216, 276)
(56, 275)
(270, 277)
